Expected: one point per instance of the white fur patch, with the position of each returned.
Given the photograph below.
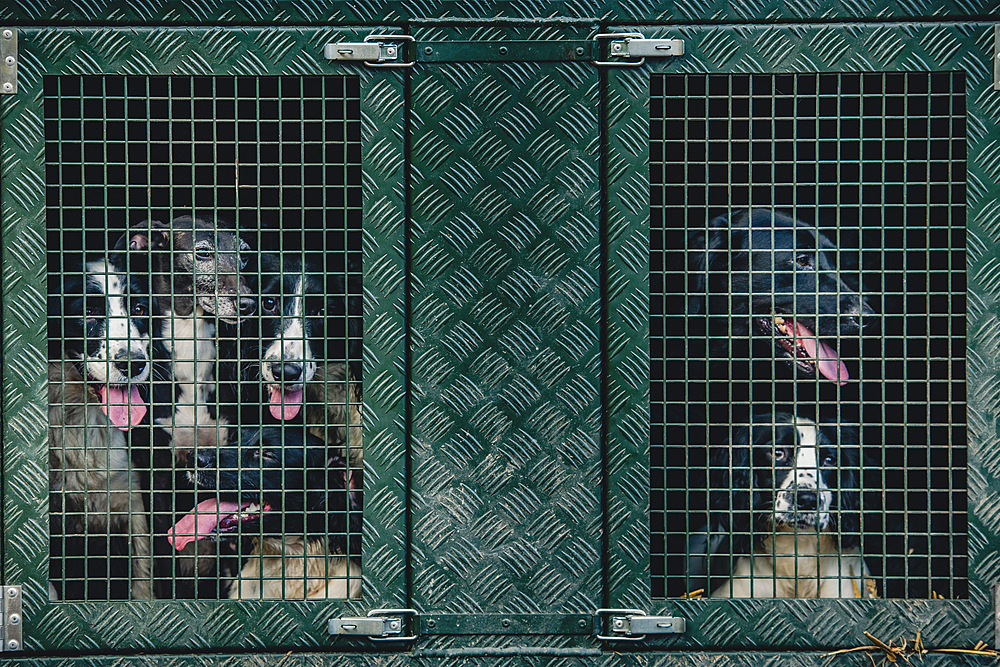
(121, 337)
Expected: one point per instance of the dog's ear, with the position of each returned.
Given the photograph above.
(147, 235)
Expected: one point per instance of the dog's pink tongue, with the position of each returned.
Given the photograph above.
(201, 521)
(285, 405)
(827, 361)
(124, 409)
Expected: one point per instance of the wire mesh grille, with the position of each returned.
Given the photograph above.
(204, 266)
(808, 300)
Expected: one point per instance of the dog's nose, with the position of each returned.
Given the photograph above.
(247, 306)
(856, 317)
(132, 366)
(806, 500)
(204, 459)
(286, 372)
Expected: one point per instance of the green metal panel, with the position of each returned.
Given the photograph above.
(765, 624)
(479, 139)
(386, 13)
(506, 349)
(191, 624)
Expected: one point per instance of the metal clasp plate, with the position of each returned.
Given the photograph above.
(10, 619)
(633, 624)
(375, 51)
(381, 625)
(631, 48)
(8, 61)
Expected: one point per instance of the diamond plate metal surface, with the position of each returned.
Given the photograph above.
(768, 624)
(506, 351)
(330, 12)
(494, 526)
(93, 628)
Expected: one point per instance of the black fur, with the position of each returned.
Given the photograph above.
(743, 479)
(748, 267)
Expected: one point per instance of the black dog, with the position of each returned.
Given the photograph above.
(765, 276)
(786, 496)
(296, 499)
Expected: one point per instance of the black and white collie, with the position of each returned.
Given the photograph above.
(298, 501)
(786, 491)
(764, 277)
(101, 342)
(297, 364)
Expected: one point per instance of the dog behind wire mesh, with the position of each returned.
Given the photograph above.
(298, 499)
(786, 494)
(100, 353)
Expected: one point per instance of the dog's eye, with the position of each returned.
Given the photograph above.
(139, 310)
(203, 254)
(780, 455)
(830, 460)
(269, 304)
(244, 260)
(804, 261)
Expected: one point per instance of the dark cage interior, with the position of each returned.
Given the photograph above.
(808, 335)
(204, 300)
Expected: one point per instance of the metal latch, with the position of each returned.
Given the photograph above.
(632, 48)
(385, 625)
(375, 51)
(10, 619)
(8, 61)
(633, 625)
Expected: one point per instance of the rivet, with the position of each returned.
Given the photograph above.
(391, 51)
(505, 622)
(15, 619)
(12, 645)
(8, 87)
(7, 34)
(579, 50)
(10, 61)
(428, 50)
(616, 47)
(431, 623)
(11, 592)
(503, 50)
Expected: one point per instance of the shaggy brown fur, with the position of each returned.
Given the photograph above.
(283, 569)
(326, 410)
(90, 476)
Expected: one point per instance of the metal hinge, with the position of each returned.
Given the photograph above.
(385, 625)
(632, 48)
(10, 619)
(375, 51)
(633, 625)
(8, 61)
